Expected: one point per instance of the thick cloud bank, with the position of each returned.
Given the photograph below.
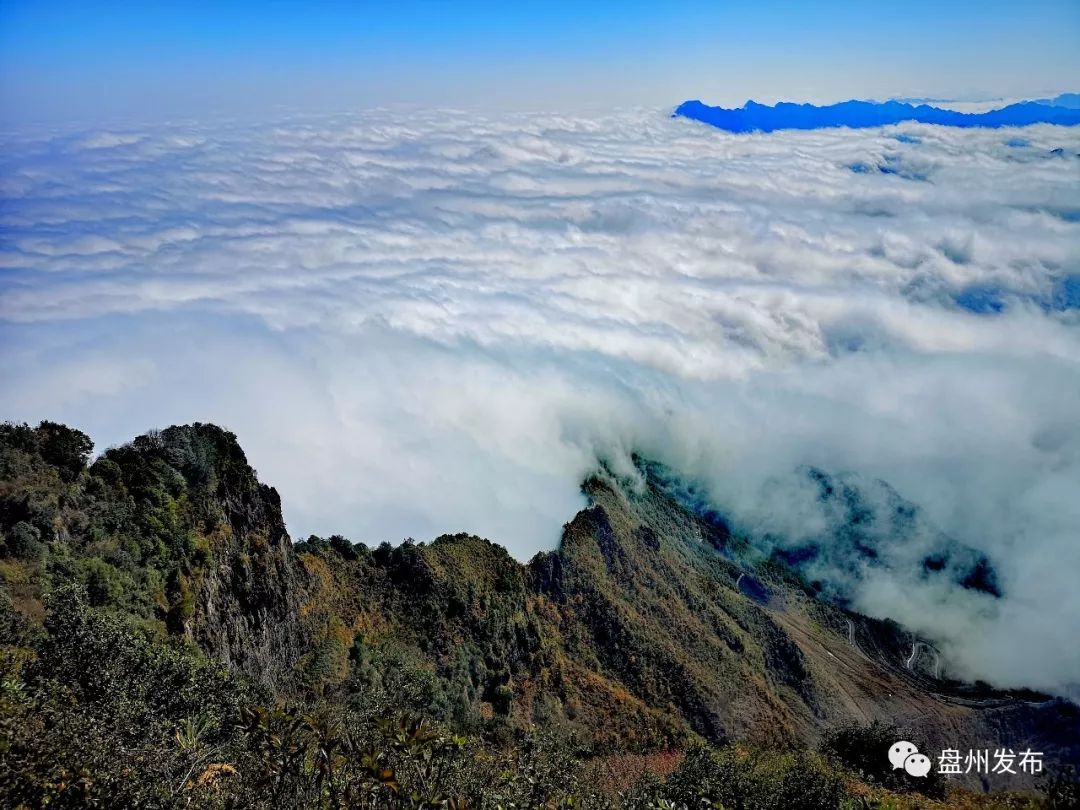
(754, 117)
(439, 322)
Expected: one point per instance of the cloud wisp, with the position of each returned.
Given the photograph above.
(430, 322)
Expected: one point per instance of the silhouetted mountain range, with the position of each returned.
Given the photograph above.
(754, 117)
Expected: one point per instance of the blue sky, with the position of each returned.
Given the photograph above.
(87, 60)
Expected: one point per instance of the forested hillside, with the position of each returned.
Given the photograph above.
(163, 643)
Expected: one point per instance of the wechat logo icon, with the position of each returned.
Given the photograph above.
(905, 755)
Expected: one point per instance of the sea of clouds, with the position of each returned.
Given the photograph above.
(419, 323)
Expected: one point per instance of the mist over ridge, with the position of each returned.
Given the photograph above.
(429, 322)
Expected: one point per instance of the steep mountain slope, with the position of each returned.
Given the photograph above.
(173, 528)
(644, 630)
(648, 628)
(752, 654)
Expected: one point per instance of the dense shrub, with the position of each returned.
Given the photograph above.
(864, 750)
(1062, 788)
(90, 719)
(747, 779)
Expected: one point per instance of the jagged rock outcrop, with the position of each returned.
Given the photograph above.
(247, 590)
(173, 528)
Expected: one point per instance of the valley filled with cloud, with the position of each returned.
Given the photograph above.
(420, 323)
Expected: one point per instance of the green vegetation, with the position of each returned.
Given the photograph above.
(163, 644)
(95, 713)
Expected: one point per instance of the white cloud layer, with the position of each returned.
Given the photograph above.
(436, 322)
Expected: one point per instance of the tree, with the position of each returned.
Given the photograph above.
(66, 448)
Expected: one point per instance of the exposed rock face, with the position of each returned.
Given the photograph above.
(246, 597)
(173, 528)
(246, 589)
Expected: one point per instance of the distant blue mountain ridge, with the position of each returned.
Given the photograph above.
(754, 117)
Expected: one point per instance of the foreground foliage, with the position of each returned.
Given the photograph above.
(96, 713)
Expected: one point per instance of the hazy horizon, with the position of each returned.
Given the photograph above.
(105, 62)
